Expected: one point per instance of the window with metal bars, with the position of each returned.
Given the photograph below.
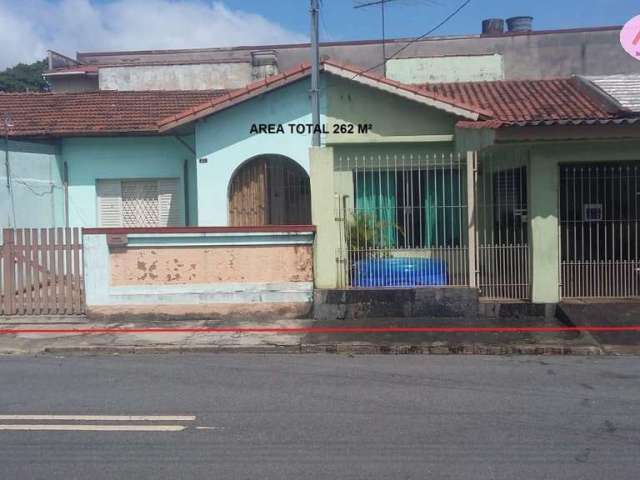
(413, 208)
(138, 203)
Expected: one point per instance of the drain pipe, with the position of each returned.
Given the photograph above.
(6, 119)
(185, 178)
(65, 179)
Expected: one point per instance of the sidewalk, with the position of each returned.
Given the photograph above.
(38, 335)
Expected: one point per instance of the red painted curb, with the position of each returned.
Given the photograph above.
(312, 330)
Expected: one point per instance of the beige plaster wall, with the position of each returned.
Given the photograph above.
(211, 264)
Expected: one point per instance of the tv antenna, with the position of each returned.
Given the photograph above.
(382, 3)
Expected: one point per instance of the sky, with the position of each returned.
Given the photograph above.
(29, 27)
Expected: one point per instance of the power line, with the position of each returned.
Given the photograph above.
(321, 15)
(374, 2)
(382, 4)
(417, 39)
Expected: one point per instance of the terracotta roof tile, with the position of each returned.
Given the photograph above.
(294, 74)
(521, 101)
(104, 112)
(499, 103)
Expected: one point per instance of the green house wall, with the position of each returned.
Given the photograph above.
(34, 195)
(92, 159)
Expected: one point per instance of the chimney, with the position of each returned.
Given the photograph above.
(519, 24)
(493, 26)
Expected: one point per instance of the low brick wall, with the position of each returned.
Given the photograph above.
(395, 302)
(212, 272)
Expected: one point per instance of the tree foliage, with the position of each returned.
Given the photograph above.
(24, 78)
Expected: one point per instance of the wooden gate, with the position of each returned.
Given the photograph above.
(270, 190)
(41, 272)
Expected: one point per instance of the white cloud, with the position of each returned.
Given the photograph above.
(29, 27)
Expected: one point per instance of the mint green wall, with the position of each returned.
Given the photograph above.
(454, 68)
(544, 203)
(225, 141)
(35, 197)
(544, 162)
(390, 115)
(90, 159)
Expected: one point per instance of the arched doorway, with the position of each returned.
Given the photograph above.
(269, 190)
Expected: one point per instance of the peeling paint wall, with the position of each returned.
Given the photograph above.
(200, 275)
(214, 264)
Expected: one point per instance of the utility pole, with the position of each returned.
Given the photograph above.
(315, 72)
(384, 47)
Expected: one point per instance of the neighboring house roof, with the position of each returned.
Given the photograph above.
(479, 104)
(623, 89)
(94, 113)
(434, 99)
(529, 102)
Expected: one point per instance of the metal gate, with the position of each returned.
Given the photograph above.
(599, 220)
(502, 224)
(41, 272)
(403, 219)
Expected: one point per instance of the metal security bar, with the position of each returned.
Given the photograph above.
(502, 227)
(599, 220)
(403, 219)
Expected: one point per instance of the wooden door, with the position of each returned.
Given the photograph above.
(270, 191)
(247, 196)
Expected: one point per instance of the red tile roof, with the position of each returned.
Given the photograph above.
(487, 104)
(514, 102)
(233, 97)
(304, 70)
(94, 113)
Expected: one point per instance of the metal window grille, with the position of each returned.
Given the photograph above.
(599, 221)
(139, 203)
(503, 262)
(140, 206)
(403, 219)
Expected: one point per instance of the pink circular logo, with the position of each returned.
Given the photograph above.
(630, 37)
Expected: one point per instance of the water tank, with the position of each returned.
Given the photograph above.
(493, 26)
(519, 24)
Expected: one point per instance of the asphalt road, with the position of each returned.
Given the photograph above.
(312, 417)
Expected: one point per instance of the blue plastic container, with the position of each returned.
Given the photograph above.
(399, 272)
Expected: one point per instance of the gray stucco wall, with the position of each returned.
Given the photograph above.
(176, 77)
(539, 54)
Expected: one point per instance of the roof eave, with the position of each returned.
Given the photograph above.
(597, 94)
(235, 97)
(405, 91)
(273, 83)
